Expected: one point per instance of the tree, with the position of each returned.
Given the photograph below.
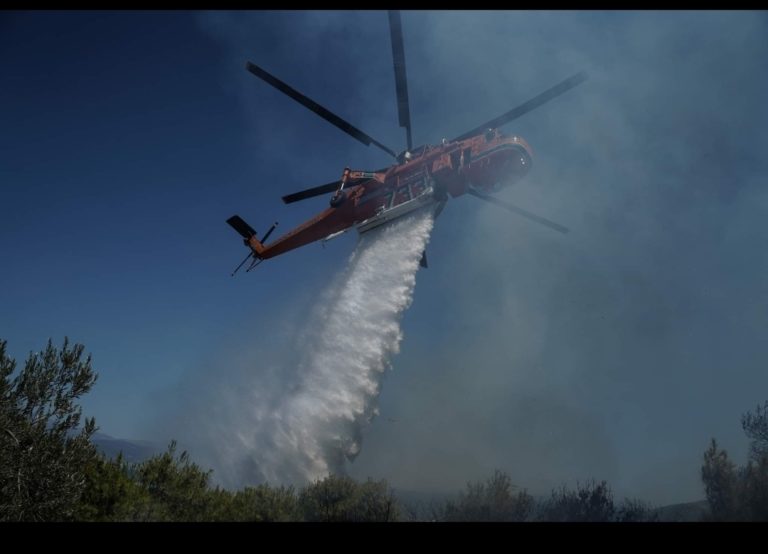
(43, 450)
(165, 487)
(755, 474)
(593, 502)
(754, 491)
(721, 484)
(493, 500)
(633, 509)
(739, 493)
(259, 503)
(176, 489)
(589, 502)
(755, 426)
(110, 494)
(340, 498)
(375, 502)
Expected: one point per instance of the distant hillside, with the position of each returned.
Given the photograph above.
(687, 511)
(134, 451)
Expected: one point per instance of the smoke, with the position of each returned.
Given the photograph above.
(614, 352)
(299, 422)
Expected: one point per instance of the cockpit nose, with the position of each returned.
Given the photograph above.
(515, 166)
(518, 165)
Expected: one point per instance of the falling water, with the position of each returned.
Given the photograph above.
(303, 424)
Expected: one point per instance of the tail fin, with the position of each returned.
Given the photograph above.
(248, 234)
(245, 230)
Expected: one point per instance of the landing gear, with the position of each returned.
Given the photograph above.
(338, 199)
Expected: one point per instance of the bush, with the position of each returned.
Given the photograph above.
(337, 498)
(733, 493)
(493, 500)
(593, 502)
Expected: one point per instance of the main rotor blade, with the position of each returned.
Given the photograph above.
(519, 211)
(310, 104)
(323, 189)
(309, 193)
(401, 82)
(532, 104)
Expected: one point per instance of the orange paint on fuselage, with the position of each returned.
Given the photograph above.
(487, 162)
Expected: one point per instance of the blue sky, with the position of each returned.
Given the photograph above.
(613, 352)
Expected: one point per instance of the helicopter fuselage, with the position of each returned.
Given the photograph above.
(425, 177)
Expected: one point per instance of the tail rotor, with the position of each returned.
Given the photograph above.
(249, 235)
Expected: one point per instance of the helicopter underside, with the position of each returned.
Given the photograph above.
(385, 215)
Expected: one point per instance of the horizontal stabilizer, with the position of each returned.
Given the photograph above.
(245, 230)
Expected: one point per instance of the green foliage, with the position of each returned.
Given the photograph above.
(50, 471)
(493, 500)
(375, 502)
(337, 498)
(175, 488)
(739, 493)
(720, 483)
(110, 494)
(169, 487)
(755, 426)
(590, 502)
(593, 502)
(735, 494)
(754, 489)
(330, 499)
(260, 503)
(43, 455)
(633, 509)
(165, 487)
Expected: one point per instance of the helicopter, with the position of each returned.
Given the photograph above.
(478, 162)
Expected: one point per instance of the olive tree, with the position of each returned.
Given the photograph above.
(43, 448)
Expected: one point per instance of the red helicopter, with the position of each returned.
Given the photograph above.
(478, 162)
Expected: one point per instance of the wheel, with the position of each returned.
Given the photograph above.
(338, 199)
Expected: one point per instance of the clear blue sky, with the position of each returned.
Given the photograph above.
(613, 352)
